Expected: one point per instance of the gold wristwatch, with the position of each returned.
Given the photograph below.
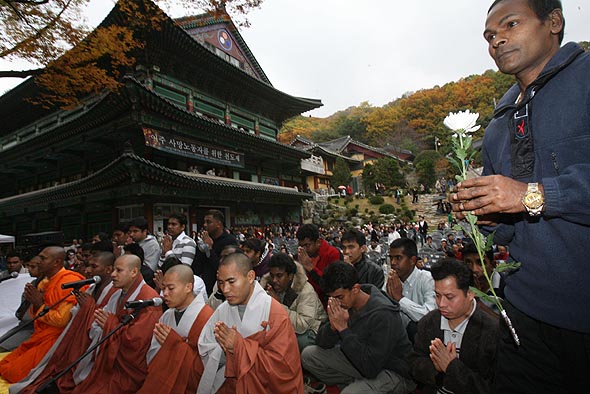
(533, 200)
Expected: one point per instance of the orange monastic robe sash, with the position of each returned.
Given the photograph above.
(266, 362)
(176, 368)
(120, 364)
(266, 356)
(47, 329)
(74, 342)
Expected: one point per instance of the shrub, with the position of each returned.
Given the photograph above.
(353, 212)
(366, 210)
(387, 209)
(376, 200)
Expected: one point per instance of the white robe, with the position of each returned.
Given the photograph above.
(257, 311)
(182, 328)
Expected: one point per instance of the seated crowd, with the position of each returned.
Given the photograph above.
(218, 313)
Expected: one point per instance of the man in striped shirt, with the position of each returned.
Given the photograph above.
(176, 242)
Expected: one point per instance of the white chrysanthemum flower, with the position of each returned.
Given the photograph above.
(462, 121)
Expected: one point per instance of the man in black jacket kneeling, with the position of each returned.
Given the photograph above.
(363, 347)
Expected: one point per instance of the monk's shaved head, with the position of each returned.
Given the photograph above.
(57, 252)
(52, 260)
(106, 259)
(241, 261)
(177, 287)
(183, 272)
(127, 269)
(131, 261)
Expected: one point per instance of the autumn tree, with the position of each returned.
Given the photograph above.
(42, 32)
(385, 171)
(341, 174)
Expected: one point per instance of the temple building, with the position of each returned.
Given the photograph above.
(193, 127)
(318, 169)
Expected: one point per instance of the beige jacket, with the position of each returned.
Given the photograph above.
(306, 312)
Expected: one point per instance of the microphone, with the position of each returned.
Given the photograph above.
(143, 303)
(79, 283)
(12, 275)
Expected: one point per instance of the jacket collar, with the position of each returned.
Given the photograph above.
(563, 58)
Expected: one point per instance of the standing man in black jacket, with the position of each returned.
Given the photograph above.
(215, 238)
(363, 348)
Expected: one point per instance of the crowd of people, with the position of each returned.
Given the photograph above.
(238, 317)
(327, 315)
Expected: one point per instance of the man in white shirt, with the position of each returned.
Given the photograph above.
(392, 235)
(411, 287)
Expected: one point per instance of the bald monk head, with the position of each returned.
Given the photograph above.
(127, 268)
(100, 264)
(178, 285)
(51, 261)
(235, 278)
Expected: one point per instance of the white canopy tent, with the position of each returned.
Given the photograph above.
(6, 239)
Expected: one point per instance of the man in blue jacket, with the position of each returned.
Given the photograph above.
(363, 348)
(536, 196)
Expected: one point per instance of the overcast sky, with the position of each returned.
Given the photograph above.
(345, 52)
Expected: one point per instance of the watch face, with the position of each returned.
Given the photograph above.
(533, 200)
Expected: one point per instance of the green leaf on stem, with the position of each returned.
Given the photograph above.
(454, 162)
(481, 294)
(503, 267)
(490, 241)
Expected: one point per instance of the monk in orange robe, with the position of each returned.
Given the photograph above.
(174, 365)
(47, 329)
(75, 339)
(248, 345)
(120, 365)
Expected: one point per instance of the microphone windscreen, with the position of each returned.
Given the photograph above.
(14, 274)
(97, 279)
(158, 301)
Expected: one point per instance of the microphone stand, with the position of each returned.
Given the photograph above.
(45, 311)
(50, 386)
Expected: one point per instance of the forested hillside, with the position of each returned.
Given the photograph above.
(412, 121)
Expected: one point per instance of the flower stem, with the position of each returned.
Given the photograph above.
(480, 244)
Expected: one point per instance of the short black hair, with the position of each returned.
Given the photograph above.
(140, 223)
(408, 245)
(123, 227)
(453, 267)
(217, 215)
(283, 261)
(354, 235)
(13, 254)
(86, 246)
(102, 236)
(541, 8)
(135, 249)
(470, 248)
(309, 231)
(180, 217)
(255, 244)
(101, 246)
(339, 275)
(170, 262)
